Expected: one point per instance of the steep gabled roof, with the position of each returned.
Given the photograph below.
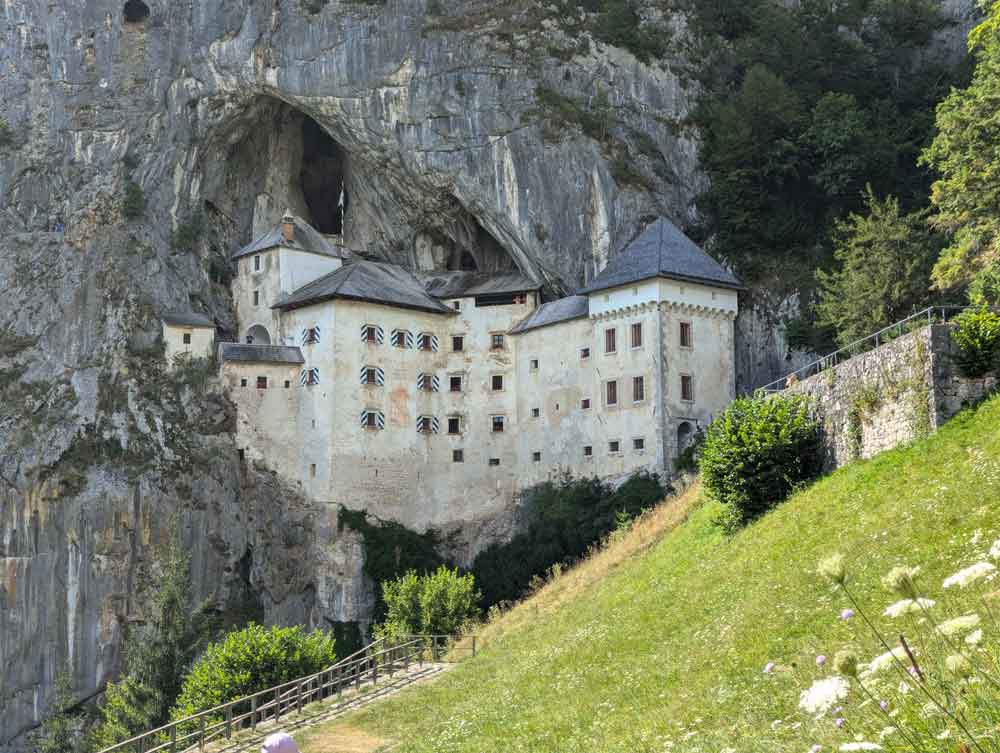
(561, 310)
(467, 284)
(377, 282)
(304, 238)
(187, 319)
(247, 353)
(661, 250)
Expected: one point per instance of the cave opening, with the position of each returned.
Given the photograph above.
(322, 178)
(135, 11)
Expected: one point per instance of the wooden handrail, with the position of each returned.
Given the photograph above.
(225, 718)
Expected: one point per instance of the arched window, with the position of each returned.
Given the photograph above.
(685, 432)
(258, 335)
(135, 12)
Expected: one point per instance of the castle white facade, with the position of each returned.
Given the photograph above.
(434, 399)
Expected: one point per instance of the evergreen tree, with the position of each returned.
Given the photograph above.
(884, 259)
(966, 154)
(60, 732)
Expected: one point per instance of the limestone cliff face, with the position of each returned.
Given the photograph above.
(441, 139)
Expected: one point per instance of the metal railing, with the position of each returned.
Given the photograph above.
(383, 657)
(930, 315)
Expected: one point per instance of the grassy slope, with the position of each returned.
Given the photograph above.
(666, 651)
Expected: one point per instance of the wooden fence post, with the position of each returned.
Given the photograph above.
(298, 697)
(277, 703)
(201, 733)
(253, 712)
(173, 738)
(229, 722)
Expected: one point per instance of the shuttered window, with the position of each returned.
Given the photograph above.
(373, 376)
(428, 425)
(309, 377)
(428, 342)
(372, 334)
(401, 338)
(373, 419)
(428, 383)
(310, 335)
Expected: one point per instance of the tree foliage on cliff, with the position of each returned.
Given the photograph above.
(966, 155)
(439, 603)
(805, 104)
(883, 260)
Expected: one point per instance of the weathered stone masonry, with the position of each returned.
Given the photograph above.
(896, 393)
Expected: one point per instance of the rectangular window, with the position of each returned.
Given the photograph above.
(535, 412)
(309, 377)
(687, 341)
(256, 298)
(427, 383)
(687, 388)
(611, 393)
(424, 425)
(457, 456)
(457, 305)
(534, 364)
(426, 342)
(287, 384)
(585, 404)
(639, 444)
(373, 419)
(497, 424)
(312, 470)
(457, 343)
(584, 353)
(401, 338)
(588, 451)
(536, 457)
(637, 335)
(614, 446)
(256, 263)
(496, 383)
(494, 461)
(262, 383)
(187, 338)
(454, 425)
(610, 345)
(496, 342)
(638, 389)
(243, 383)
(368, 375)
(455, 383)
(370, 334)
(310, 335)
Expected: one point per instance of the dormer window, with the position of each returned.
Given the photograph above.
(310, 336)
(372, 334)
(401, 338)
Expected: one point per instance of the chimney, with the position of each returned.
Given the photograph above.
(288, 226)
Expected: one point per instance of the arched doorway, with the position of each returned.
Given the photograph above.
(685, 432)
(258, 335)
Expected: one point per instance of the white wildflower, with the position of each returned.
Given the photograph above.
(959, 665)
(824, 695)
(974, 637)
(886, 660)
(958, 624)
(944, 734)
(860, 746)
(995, 550)
(906, 606)
(970, 575)
(886, 731)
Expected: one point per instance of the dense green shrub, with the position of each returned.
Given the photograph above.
(254, 658)
(134, 202)
(564, 520)
(435, 604)
(60, 731)
(977, 335)
(188, 233)
(757, 451)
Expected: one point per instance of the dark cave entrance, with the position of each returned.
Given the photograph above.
(322, 178)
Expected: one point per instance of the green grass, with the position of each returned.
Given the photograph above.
(666, 652)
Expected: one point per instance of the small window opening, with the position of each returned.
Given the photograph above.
(455, 383)
(610, 346)
(454, 425)
(637, 335)
(638, 389)
(256, 298)
(457, 305)
(262, 383)
(242, 454)
(312, 470)
(534, 364)
(687, 388)
(614, 446)
(497, 382)
(287, 384)
(611, 393)
(256, 263)
(370, 334)
(585, 404)
(187, 338)
(584, 353)
(457, 456)
(497, 423)
(135, 12)
(425, 425)
(588, 451)
(496, 342)
(686, 339)
(426, 342)
(457, 343)
(535, 412)
(536, 457)
(494, 461)
(243, 383)
(638, 443)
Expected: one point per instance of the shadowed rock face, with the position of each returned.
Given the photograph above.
(231, 111)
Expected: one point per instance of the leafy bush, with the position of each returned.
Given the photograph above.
(757, 451)
(254, 658)
(188, 233)
(134, 202)
(564, 520)
(435, 604)
(977, 335)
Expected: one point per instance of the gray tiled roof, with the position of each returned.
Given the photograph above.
(562, 310)
(661, 250)
(464, 284)
(304, 238)
(187, 319)
(367, 281)
(260, 353)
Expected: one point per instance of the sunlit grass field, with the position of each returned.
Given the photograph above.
(659, 642)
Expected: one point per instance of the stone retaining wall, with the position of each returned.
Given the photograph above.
(899, 392)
